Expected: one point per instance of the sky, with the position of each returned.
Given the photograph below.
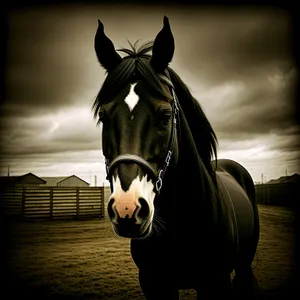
(237, 62)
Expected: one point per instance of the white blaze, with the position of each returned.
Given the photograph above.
(140, 188)
(132, 98)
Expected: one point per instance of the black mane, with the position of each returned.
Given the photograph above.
(137, 65)
(204, 136)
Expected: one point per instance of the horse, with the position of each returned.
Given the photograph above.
(192, 219)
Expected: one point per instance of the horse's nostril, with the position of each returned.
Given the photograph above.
(144, 210)
(110, 211)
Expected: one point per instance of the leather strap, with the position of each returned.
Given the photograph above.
(131, 158)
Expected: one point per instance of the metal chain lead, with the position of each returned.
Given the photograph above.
(161, 173)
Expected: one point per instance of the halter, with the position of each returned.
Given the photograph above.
(158, 175)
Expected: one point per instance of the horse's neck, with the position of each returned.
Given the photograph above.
(189, 192)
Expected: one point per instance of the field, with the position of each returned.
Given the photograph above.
(84, 260)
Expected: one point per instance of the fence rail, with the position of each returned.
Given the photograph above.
(29, 203)
(282, 194)
(52, 202)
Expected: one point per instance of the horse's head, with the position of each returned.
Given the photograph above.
(137, 108)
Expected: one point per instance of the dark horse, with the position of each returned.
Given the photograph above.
(192, 221)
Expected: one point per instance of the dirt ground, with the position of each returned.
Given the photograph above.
(84, 260)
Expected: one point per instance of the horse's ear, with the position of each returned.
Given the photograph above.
(163, 48)
(105, 50)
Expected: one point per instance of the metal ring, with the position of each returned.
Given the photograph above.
(158, 183)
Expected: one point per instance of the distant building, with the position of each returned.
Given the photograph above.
(33, 180)
(295, 178)
(284, 190)
(23, 180)
(63, 181)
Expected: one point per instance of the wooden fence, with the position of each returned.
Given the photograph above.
(282, 194)
(90, 202)
(52, 202)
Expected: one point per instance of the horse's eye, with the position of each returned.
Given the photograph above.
(165, 116)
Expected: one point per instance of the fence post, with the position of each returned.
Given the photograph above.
(51, 203)
(23, 203)
(102, 202)
(77, 202)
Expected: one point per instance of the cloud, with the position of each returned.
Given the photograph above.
(72, 130)
(232, 45)
(256, 108)
(50, 58)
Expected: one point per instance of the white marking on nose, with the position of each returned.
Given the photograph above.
(132, 98)
(139, 188)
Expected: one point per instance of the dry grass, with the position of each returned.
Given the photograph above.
(84, 259)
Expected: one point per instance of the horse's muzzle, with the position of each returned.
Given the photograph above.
(129, 216)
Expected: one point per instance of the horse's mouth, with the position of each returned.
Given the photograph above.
(133, 231)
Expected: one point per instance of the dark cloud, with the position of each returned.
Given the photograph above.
(263, 107)
(235, 45)
(48, 62)
(290, 144)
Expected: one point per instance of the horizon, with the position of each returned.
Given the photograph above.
(106, 184)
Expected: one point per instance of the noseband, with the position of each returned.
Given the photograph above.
(158, 175)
